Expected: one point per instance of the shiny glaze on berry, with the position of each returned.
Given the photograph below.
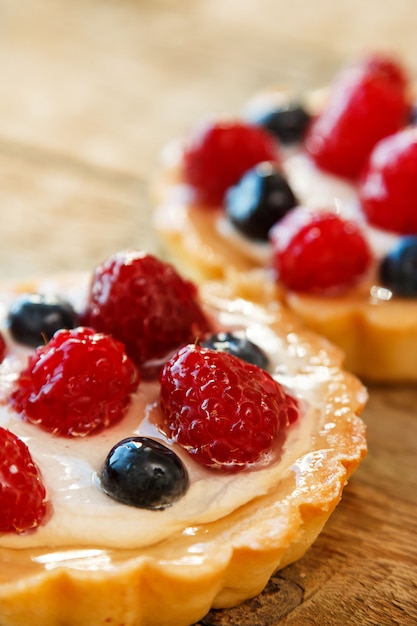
(368, 101)
(143, 473)
(237, 345)
(388, 185)
(34, 318)
(218, 155)
(225, 412)
(145, 304)
(319, 252)
(398, 269)
(22, 492)
(288, 122)
(78, 383)
(260, 199)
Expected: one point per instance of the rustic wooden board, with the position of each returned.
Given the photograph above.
(89, 93)
(63, 215)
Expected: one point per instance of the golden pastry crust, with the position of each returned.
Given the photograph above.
(219, 564)
(190, 235)
(377, 332)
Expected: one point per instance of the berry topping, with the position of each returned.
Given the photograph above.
(144, 303)
(367, 102)
(288, 122)
(22, 493)
(388, 187)
(220, 153)
(237, 345)
(259, 200)
(34, 318)
(319, 252)
(79, 382)
(398, 269)
(143, 473)
(225, 412)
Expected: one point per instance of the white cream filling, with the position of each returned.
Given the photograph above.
(82, 515)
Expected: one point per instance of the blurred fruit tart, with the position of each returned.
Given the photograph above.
(318, 196)
(163, 449)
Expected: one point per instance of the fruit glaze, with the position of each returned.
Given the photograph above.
(160, 441)
(319, 194)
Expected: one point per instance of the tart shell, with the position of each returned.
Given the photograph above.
(219, 564)
(376, 331)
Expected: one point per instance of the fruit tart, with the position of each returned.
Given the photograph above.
(164, 449)
(317, 196)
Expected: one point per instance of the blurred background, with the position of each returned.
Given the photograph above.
(90, 90)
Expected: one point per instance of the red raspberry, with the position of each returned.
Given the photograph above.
(367, 102)
(388, 187)
(224, 411)
(79, 382)
(144, 303)
(318, 252)
(22, 493)
(219, 154)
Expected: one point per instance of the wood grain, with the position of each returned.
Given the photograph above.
(90, 91)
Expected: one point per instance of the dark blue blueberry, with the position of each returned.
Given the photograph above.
(34, 318)
(398, 269)
(144, 473)
(260, 199)
(238, 346)
(287, 122)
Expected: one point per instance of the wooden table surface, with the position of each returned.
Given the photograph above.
(90, 90)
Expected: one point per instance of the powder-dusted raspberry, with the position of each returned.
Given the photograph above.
(218, 155)
(388, 186)
(23, 503)
(319, 252)
(225, 412)
(367, 102)
(78, 383)
(144, 303)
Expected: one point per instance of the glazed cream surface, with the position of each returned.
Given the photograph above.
(83, 515)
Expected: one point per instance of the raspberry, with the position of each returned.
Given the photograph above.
(218, 156)
(145, 304)
(225, 412)
(318, 252)
(368, 102)
(388, 187)
(22, 493)
(78, 383)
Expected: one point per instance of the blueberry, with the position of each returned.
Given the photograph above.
(287, 122)
(238, 346)
(144, 473)
(259, 200)
(398, 269)
(34, 318)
